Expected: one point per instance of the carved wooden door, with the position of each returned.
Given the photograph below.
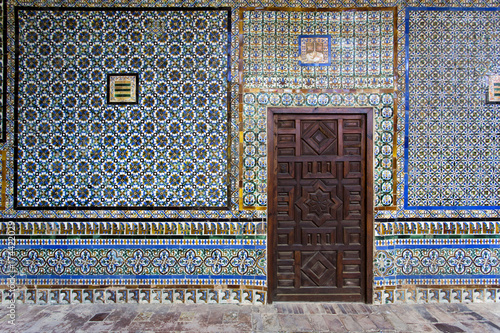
(318, 205)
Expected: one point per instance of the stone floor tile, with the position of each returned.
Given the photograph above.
(330, 309)
(365, 322)
(334, 324)
(318, 323)
(381, 322)
(270, 322)
(350, 323)
(422, 327)
(408, 315)
(397, 323)
(449, 328)
(440, 315)
(215, 317)
(295, 323)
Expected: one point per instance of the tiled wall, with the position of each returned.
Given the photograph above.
(208, 255)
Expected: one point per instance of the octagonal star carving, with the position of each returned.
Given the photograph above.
(319, 203)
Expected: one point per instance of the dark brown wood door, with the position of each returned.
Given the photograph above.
(317, 206)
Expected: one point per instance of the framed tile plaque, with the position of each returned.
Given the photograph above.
(314, 50)
(123, 88)
(493, 95)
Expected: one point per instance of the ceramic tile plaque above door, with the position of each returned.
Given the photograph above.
(320, 204)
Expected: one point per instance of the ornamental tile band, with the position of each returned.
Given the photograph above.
(202, 295)
(136, 264)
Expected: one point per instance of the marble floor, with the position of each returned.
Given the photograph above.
(278, 317)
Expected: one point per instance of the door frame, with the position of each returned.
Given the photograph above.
(272, 171)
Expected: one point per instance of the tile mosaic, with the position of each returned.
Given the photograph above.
(134, 227)
(281, 43)
(437, 260)
(450, 146)
(90, 155)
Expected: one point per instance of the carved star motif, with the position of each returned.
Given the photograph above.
(319, 203)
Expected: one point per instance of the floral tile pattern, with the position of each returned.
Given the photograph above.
(241, 261)
(437, 261)
(361, 51)
(168, 151)
(452, 150)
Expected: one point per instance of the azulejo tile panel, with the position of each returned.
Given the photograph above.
(361, 50)
(451, 148)
(76, 151)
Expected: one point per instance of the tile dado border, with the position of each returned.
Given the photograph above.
(131, 227)
(438, 294)
(203, 295)
(385, 229)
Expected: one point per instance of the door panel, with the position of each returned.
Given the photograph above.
(317, 205)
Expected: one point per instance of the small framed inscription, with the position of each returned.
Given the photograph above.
(314, 50)
(123, 88)
(493, 96)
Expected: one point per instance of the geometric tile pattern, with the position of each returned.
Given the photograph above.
(254, 154)
(361, 52)
(452, 146)
(169, 151)
(392, 293)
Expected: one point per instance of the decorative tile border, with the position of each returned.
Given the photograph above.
(196, 294)
(253, 139)
(437, 260)
(131, 227)
(135, 261)
(438, 294)
(384, 230)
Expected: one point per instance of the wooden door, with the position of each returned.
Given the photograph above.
(320, 204)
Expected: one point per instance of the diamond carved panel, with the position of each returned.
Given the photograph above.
(319, 138)
(318, 268)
